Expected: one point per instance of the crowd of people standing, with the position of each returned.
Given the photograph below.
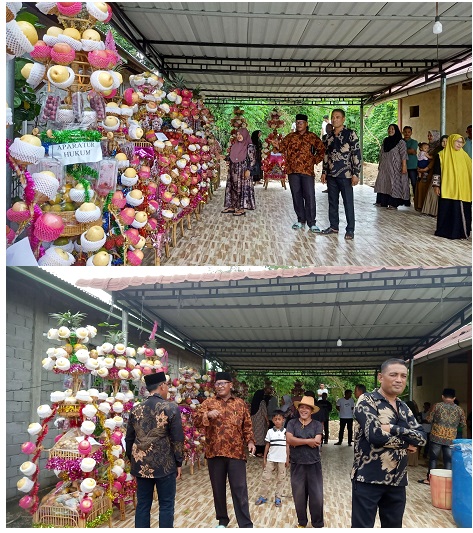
(438, 171)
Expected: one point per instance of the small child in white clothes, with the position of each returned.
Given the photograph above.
(423, 157)
(276, 457)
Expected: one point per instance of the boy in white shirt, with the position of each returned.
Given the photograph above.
(276, 457)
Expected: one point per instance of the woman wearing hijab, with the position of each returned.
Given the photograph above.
(424, 183)
(452, 184)
(259, 419)
(431, 202)
(256, 172)
(392, 183)
(239, 192)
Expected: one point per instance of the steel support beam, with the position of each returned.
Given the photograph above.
(443, 103)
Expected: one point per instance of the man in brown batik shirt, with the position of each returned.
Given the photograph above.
(302, 150)
(228, 430)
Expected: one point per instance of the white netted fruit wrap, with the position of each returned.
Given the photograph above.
(46, 7)
(96, 12)
(112, 110)
(91, 246)
(129, 182)
(90, 262)
(94, 80)
(89, 46)
(14, 7)
(36, 75)
(139, 225)
(17, 43)
(123, 164)
(69, 247)
(65, 116)
(50, 40)
(134, 201)
(88, 118)
(111, 128)
(88, 216)
(64, 84)
(73, 43)
(78, 195)
(52, 258)
(46, 184)
(23, 151)
(127, 111)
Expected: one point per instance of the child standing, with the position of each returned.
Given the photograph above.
(276, 457)
(423, 158)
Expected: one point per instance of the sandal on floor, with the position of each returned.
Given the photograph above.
(349, 237)
(228, 210)
(297, 225)
(392, 208)
(239, 213)
(423, 481)
(329, 231)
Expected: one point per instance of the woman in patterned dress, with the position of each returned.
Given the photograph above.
(239, 191)
(392, 183)
(431, 202)
(424, 182)
(259, 419)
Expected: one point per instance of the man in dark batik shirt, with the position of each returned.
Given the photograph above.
(154, 444)
(386, 433)
(341, 171)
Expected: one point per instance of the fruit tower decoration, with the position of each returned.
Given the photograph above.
(83, 496)
(272, 161)
(298, 390)
(59, 199)
(238, 121)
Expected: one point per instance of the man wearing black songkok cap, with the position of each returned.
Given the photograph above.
(154, 444)
(228, 430)
(302, 150)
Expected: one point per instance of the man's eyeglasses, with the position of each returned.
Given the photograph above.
(222, 383)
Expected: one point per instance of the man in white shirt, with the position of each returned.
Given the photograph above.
(322, 388)
(325, 121)
(345, 408)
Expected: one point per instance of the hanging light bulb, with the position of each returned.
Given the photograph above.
(339, 342)
(437, 28)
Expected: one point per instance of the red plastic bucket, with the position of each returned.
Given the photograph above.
(441, 488)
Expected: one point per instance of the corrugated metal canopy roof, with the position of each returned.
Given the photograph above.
(294, 50)
(290, 319)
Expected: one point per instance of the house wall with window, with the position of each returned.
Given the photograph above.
(422, 111)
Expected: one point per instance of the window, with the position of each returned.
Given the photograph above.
(413, 111)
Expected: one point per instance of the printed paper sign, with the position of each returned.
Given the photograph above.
(79, 152)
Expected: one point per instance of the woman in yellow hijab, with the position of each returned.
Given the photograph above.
(452, 184)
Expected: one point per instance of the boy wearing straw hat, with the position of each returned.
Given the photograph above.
(304, 437)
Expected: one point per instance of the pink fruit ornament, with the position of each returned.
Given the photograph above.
(133, 236)
(117, 486)
(69, 9)
(86, 505)
(146, 370)
(110, 94)
(149, 352)
(84, 447)
(152, 223)
(122, 478)
(116, 437)
(28, 447)
(27, 502)
(175, 382)
(48, 227)
(134, 258)
(41, 52)
(118, 199)
(110, 14)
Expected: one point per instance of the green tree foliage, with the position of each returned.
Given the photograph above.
(377, 120)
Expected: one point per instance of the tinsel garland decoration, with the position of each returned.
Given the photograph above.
(107, 444)
(69, 136)
(71, 466)
(41, 436)
(80, 171)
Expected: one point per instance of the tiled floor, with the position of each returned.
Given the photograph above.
(194, 503)
(264, 236)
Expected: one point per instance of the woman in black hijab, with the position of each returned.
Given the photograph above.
(257, 172)
(392, 183)
(259, 418)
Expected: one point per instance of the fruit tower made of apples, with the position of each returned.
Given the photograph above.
(272, 161)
